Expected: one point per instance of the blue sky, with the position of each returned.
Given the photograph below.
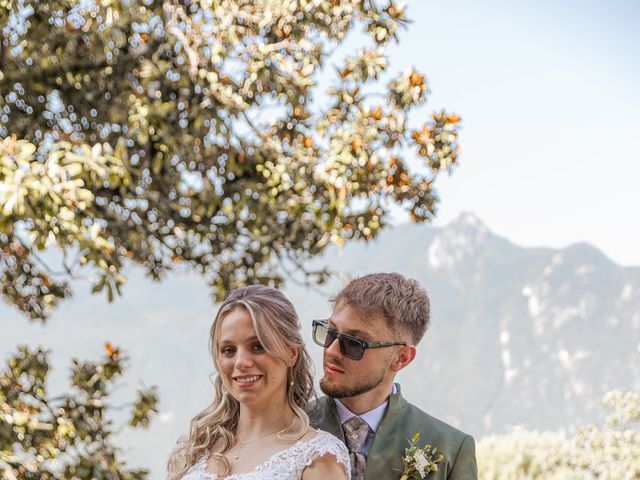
(549, 96)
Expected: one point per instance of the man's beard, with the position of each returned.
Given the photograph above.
(345, 391)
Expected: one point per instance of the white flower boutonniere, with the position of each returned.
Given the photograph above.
(420, 461)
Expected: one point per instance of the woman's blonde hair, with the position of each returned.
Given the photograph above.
(212, 431)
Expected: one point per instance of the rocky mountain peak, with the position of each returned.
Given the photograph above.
(457, 242)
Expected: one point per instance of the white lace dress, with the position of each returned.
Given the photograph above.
(286, 464)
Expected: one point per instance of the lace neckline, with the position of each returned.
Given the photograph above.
(201, 465)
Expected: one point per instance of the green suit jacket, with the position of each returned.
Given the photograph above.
(401, 421)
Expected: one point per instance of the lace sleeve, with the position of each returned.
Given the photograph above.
(289, 464)
(326, 444)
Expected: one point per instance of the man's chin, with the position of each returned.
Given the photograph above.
(330, 389)
(333, 390)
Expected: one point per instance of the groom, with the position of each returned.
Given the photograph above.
(372, 334)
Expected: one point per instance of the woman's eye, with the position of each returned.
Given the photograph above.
(228, 351)
(258, 347)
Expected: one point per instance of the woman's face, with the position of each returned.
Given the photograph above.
(250, 374)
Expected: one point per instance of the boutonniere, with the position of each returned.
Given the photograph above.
(420, 461)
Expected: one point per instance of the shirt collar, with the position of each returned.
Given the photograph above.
(372, 417)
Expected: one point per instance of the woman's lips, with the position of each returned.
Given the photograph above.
(247, 381)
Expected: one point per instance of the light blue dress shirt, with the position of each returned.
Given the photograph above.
(372, 417)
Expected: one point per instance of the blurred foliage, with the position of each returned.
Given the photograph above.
(67, 436)
(194, 133)
(611, 452)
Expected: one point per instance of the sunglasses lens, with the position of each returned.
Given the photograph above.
(351, 348)
(323, 336)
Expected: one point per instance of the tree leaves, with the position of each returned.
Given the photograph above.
(71, 429)
(122, 126)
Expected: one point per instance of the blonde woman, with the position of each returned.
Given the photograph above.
(256, 428)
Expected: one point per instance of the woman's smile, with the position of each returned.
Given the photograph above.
(246, 381)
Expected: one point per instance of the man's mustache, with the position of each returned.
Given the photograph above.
(333, 363)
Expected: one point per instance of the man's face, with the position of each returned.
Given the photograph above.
(344, 377)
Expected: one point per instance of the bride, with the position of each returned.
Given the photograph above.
(256, 427)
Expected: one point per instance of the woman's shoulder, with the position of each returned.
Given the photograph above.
(317, 436)
(327, 456)
(317, 443)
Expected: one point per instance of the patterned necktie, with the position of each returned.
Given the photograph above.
(355, 434)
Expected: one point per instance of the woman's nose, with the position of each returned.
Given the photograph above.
(244, 359)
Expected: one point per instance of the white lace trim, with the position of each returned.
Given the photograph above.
(287, 464)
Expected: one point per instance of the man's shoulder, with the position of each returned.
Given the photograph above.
(320, 411)
(321, 405)
(322, 401)
(414, 418)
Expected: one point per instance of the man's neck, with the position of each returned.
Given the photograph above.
(366, 402)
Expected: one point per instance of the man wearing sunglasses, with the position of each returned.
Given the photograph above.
(372, 334)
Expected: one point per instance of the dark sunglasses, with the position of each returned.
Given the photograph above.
(350, 346)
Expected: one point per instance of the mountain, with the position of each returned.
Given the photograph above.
(527, 337)
(519, 336)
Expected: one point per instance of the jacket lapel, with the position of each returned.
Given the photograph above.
(385, 457)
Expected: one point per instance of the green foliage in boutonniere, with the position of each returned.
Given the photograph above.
(420, 461)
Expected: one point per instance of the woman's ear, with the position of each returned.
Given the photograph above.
(293, 357)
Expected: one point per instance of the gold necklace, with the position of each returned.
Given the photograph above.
(241, 445)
